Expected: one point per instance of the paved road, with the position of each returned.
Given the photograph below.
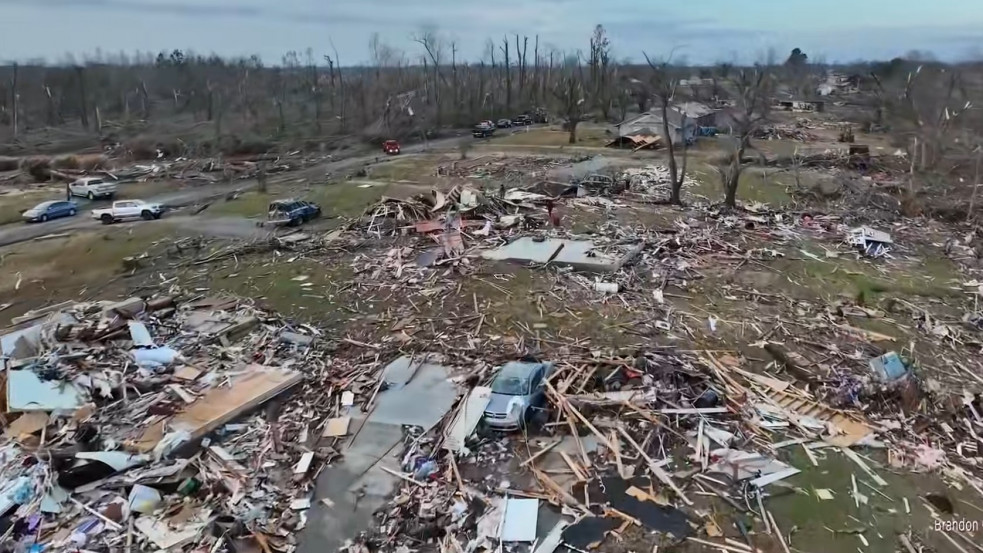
(19, 232)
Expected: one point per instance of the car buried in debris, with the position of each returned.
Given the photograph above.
(518, 394)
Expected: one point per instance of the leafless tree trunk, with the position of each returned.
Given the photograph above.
(83, 101)
(664, 86)
(52, 120)
(571, 98)
(753, 88)
(15, 101)
(537, 90)
(315, 88)
(145, 98)
(508, 75)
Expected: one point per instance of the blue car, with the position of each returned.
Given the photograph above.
(50, 210)
(292, 212)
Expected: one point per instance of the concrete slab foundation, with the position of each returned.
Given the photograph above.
(419, 394)
(579, 254)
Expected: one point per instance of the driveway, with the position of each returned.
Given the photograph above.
(419, 394)
(18, 232)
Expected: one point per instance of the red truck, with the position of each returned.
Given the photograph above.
(390, 147)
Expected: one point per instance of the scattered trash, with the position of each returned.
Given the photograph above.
(872, 243)
(889, 367)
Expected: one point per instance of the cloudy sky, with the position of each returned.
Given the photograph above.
(704, 31)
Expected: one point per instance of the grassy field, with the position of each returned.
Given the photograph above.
(15, 202)
(345, 199)
(82, 265)
(589, 136)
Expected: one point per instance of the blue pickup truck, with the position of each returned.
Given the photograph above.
(292, 212)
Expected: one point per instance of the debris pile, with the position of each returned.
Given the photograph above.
(652, 180)
(785, 132)
(512, 168)
(132, 423)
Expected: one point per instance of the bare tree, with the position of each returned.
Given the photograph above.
(15, 100)
(664, 84)
(508, 75)
(570, 96)
(752, 88)
(600, 70)
(928, 108)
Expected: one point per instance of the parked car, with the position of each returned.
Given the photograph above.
(522, 120)
(50, 210)
(292, 212)
(390, 147)
(517, 393)
(504, 123)
(92, 188)
(487, 123)
(128, 209)
(482, 130)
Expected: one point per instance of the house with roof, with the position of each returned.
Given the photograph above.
(685, 119)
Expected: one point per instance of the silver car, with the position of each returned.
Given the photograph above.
(518, 391)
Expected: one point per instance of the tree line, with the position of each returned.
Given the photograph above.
(321, 98)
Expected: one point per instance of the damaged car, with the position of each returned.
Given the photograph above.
(517, 395)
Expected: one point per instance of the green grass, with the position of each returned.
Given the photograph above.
(345, 199)
(549, 137)
(528, 304)
(860, 280)
(880, 520)
(274, 283)
(410, 168)
(12, 205)
(63, 268)
(768, 186)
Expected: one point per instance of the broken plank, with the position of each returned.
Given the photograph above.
(659, 473)
(863, 465)
(540, 453)
(694, 411)
(222, 405)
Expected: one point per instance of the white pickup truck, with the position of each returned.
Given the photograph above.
(92, 188)
(128, 209)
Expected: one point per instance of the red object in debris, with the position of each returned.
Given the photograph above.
(390, 147)
(554, 215)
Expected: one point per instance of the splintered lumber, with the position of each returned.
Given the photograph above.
(540, 453)
(656, 470)
(402, 476)
(221, 405)
(550, 485)
(853, 430)
(866, 468)
(577, 471)
(573, 410)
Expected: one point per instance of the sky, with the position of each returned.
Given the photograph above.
(703, 31)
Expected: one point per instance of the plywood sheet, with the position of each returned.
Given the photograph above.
(336, 427)
(222, 405)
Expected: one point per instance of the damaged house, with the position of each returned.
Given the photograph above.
(646, 129)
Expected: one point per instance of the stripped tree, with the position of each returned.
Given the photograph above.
(752, 88)
(663, 86)
(571, 95)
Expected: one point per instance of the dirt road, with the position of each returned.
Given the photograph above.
(19, 232)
